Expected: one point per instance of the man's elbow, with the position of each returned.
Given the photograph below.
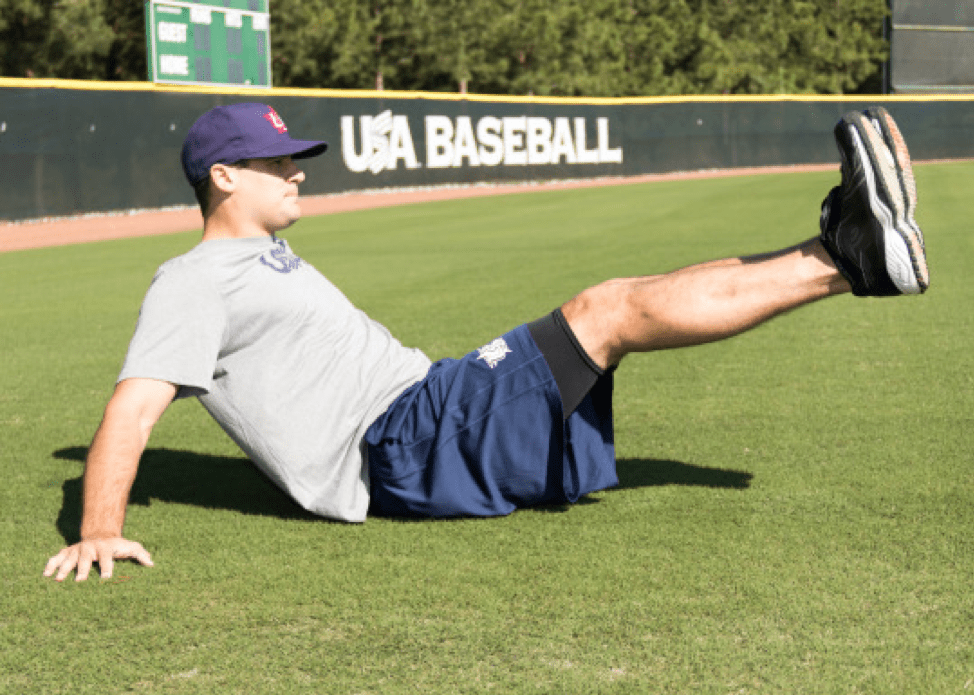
(139, 403)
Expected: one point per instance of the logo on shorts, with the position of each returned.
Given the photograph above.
(494, 352)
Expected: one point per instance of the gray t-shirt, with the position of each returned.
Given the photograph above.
(280, 358)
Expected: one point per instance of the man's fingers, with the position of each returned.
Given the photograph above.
(129, 550)
(139, 554)
(85, 558)
(62, 563)
(83, 555)
(54, 563)
(106, 563)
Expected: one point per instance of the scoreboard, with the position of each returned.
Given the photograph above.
(222, 42)
(933, 46)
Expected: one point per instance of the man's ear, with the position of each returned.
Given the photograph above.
(224, 177)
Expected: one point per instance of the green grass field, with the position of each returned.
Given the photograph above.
(795, 514)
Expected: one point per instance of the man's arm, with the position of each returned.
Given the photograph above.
(110, 469)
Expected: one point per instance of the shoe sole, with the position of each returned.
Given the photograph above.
(896, 144)
(888, 200)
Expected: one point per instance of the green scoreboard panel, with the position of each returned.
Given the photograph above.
(216, 42)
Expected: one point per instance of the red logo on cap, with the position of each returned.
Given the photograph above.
(275, 120)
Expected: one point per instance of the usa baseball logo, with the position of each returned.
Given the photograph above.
(275, 120)
(379, 143)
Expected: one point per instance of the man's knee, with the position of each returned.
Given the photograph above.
(597, 317)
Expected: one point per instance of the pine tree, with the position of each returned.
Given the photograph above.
(127, 55)
(544, 47)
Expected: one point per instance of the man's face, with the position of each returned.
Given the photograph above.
(268, 191)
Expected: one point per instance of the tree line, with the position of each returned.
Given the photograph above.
(541, 47)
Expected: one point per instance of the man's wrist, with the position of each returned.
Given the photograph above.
(100, 535)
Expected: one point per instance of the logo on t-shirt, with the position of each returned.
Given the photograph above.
(281, 258)
(494, 352)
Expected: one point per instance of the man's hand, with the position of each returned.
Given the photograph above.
(105, 551)
(110, 469)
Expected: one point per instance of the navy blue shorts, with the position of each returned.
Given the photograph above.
(484, 435)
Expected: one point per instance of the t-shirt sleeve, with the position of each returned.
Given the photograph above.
(179, 332)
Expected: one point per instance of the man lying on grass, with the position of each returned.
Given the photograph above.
(346, 420)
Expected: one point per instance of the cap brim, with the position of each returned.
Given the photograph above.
(316, 148)
(296, 149)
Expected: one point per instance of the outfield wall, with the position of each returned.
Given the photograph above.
(76, 147)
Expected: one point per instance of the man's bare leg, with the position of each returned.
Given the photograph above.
(870, 245)
(699, 304)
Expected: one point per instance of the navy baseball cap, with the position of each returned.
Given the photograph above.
(227, 134)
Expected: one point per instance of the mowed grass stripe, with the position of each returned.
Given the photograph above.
(794, 514)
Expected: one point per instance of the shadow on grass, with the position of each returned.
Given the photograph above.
(634, 473)
(233, 483)
(201, 480)
(639, 473)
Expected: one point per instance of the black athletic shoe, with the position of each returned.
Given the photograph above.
(867, 223)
